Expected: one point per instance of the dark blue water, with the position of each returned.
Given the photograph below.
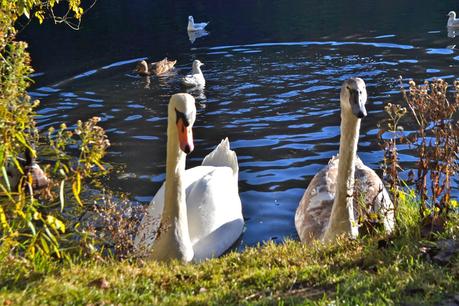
(273, 72)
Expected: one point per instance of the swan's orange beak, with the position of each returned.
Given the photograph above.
(185, 137)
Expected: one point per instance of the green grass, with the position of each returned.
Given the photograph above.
(363, 271)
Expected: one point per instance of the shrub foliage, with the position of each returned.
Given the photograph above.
(435, 143)
(39, 224)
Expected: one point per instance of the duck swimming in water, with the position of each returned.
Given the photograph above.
(157, 68)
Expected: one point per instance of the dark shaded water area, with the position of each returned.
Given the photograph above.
(273, 71)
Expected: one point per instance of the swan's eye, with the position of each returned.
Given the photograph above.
(182, 116)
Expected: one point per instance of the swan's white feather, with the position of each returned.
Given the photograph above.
(213, 207)
(222, 156)
(213, 204)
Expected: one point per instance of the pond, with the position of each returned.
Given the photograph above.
(273, 70)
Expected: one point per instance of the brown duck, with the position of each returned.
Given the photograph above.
(30, 167)
(157, 68)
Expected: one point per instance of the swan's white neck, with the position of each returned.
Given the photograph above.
(342, 215)
(173, 240)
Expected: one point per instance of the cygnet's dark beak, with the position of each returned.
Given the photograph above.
(357, 104)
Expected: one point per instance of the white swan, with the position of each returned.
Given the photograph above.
(196, 78)
(453, 22)
(327, 207)
(195, 26)
(196, 214)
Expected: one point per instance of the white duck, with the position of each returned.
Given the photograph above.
(453, 22)
(196, 78)
(195, 26)
(196, 214)
(327, 207)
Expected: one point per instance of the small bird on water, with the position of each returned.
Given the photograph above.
(157, 68)
(192, 27)
(196, 78)
(453, 22)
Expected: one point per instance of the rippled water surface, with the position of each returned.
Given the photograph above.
(275, 97)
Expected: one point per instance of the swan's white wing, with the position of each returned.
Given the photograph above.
(214, 211)
(146, 234)
(222, 156)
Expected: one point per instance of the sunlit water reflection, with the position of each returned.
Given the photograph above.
(277, 103)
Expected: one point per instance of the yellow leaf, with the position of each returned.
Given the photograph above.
(78, 180)
(3, 220)
(402, 196)
(55, 223)
(36, 215)
(100, 165)
(374, 216)
(39, 16)
(76, 193)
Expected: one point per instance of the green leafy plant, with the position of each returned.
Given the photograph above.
(41, 226)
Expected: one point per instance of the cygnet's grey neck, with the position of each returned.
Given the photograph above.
(342, 215)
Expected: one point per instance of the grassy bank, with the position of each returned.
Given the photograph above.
(404, 268)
